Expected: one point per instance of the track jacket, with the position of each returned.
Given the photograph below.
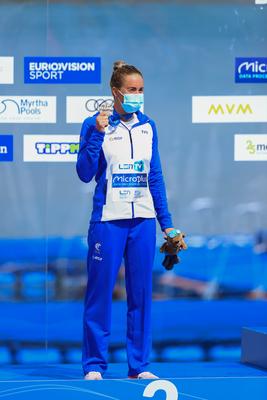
(127, 169)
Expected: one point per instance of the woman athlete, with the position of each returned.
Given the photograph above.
(121, 151)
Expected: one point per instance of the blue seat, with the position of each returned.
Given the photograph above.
(225, 353)
(38, 285)
(29, 356)
(5, 356)
(7, 286)
(182, 353)
(73, 356)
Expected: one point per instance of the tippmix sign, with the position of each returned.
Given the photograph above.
(50, 148)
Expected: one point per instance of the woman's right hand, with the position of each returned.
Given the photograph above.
(102, 121)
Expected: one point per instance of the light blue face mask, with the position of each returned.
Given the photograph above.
(132, 102)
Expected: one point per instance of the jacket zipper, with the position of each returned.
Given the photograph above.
(130, 134)
(131, 143)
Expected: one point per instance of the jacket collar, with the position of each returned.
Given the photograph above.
(115, 117)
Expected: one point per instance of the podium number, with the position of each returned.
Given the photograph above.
(169, 388)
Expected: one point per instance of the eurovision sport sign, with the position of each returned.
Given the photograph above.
(62, 70)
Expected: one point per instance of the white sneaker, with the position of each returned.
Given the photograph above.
(144, 375)
(93, 376)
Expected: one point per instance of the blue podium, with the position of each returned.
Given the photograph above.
(254, 346)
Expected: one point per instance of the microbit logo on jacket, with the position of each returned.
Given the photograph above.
(251, 70)
(6, 148)
(129, 180)
(62, 70)
(50, 148)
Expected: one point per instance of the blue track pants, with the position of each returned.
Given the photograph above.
(108, 242)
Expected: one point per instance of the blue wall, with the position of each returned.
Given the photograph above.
(183, 51)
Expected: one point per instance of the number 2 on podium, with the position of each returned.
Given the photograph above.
(169, 388)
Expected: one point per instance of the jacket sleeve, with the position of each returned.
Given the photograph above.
(157, 185)
(91, 141)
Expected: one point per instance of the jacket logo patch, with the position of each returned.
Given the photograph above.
(97, 247)
(115, 138)
(97, 255)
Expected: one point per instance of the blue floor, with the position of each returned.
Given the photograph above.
(119, 371)
(206, 381)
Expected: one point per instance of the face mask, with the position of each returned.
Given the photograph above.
(132, 102)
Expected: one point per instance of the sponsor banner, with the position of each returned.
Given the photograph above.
(81, 107)
(251, 147)
(260, 1)
(6, 147)
(251, 70)
(227, 109)
(50, 148)
(62, 70)
(6, 70)
(27, 109)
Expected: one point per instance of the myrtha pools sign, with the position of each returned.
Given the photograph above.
(50, 148)
(62, 70)
(30, 109)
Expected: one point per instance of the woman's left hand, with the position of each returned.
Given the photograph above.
(167, 230)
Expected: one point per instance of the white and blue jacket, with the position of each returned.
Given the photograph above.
(127, 169)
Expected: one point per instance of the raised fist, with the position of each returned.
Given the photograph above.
(102, 121)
